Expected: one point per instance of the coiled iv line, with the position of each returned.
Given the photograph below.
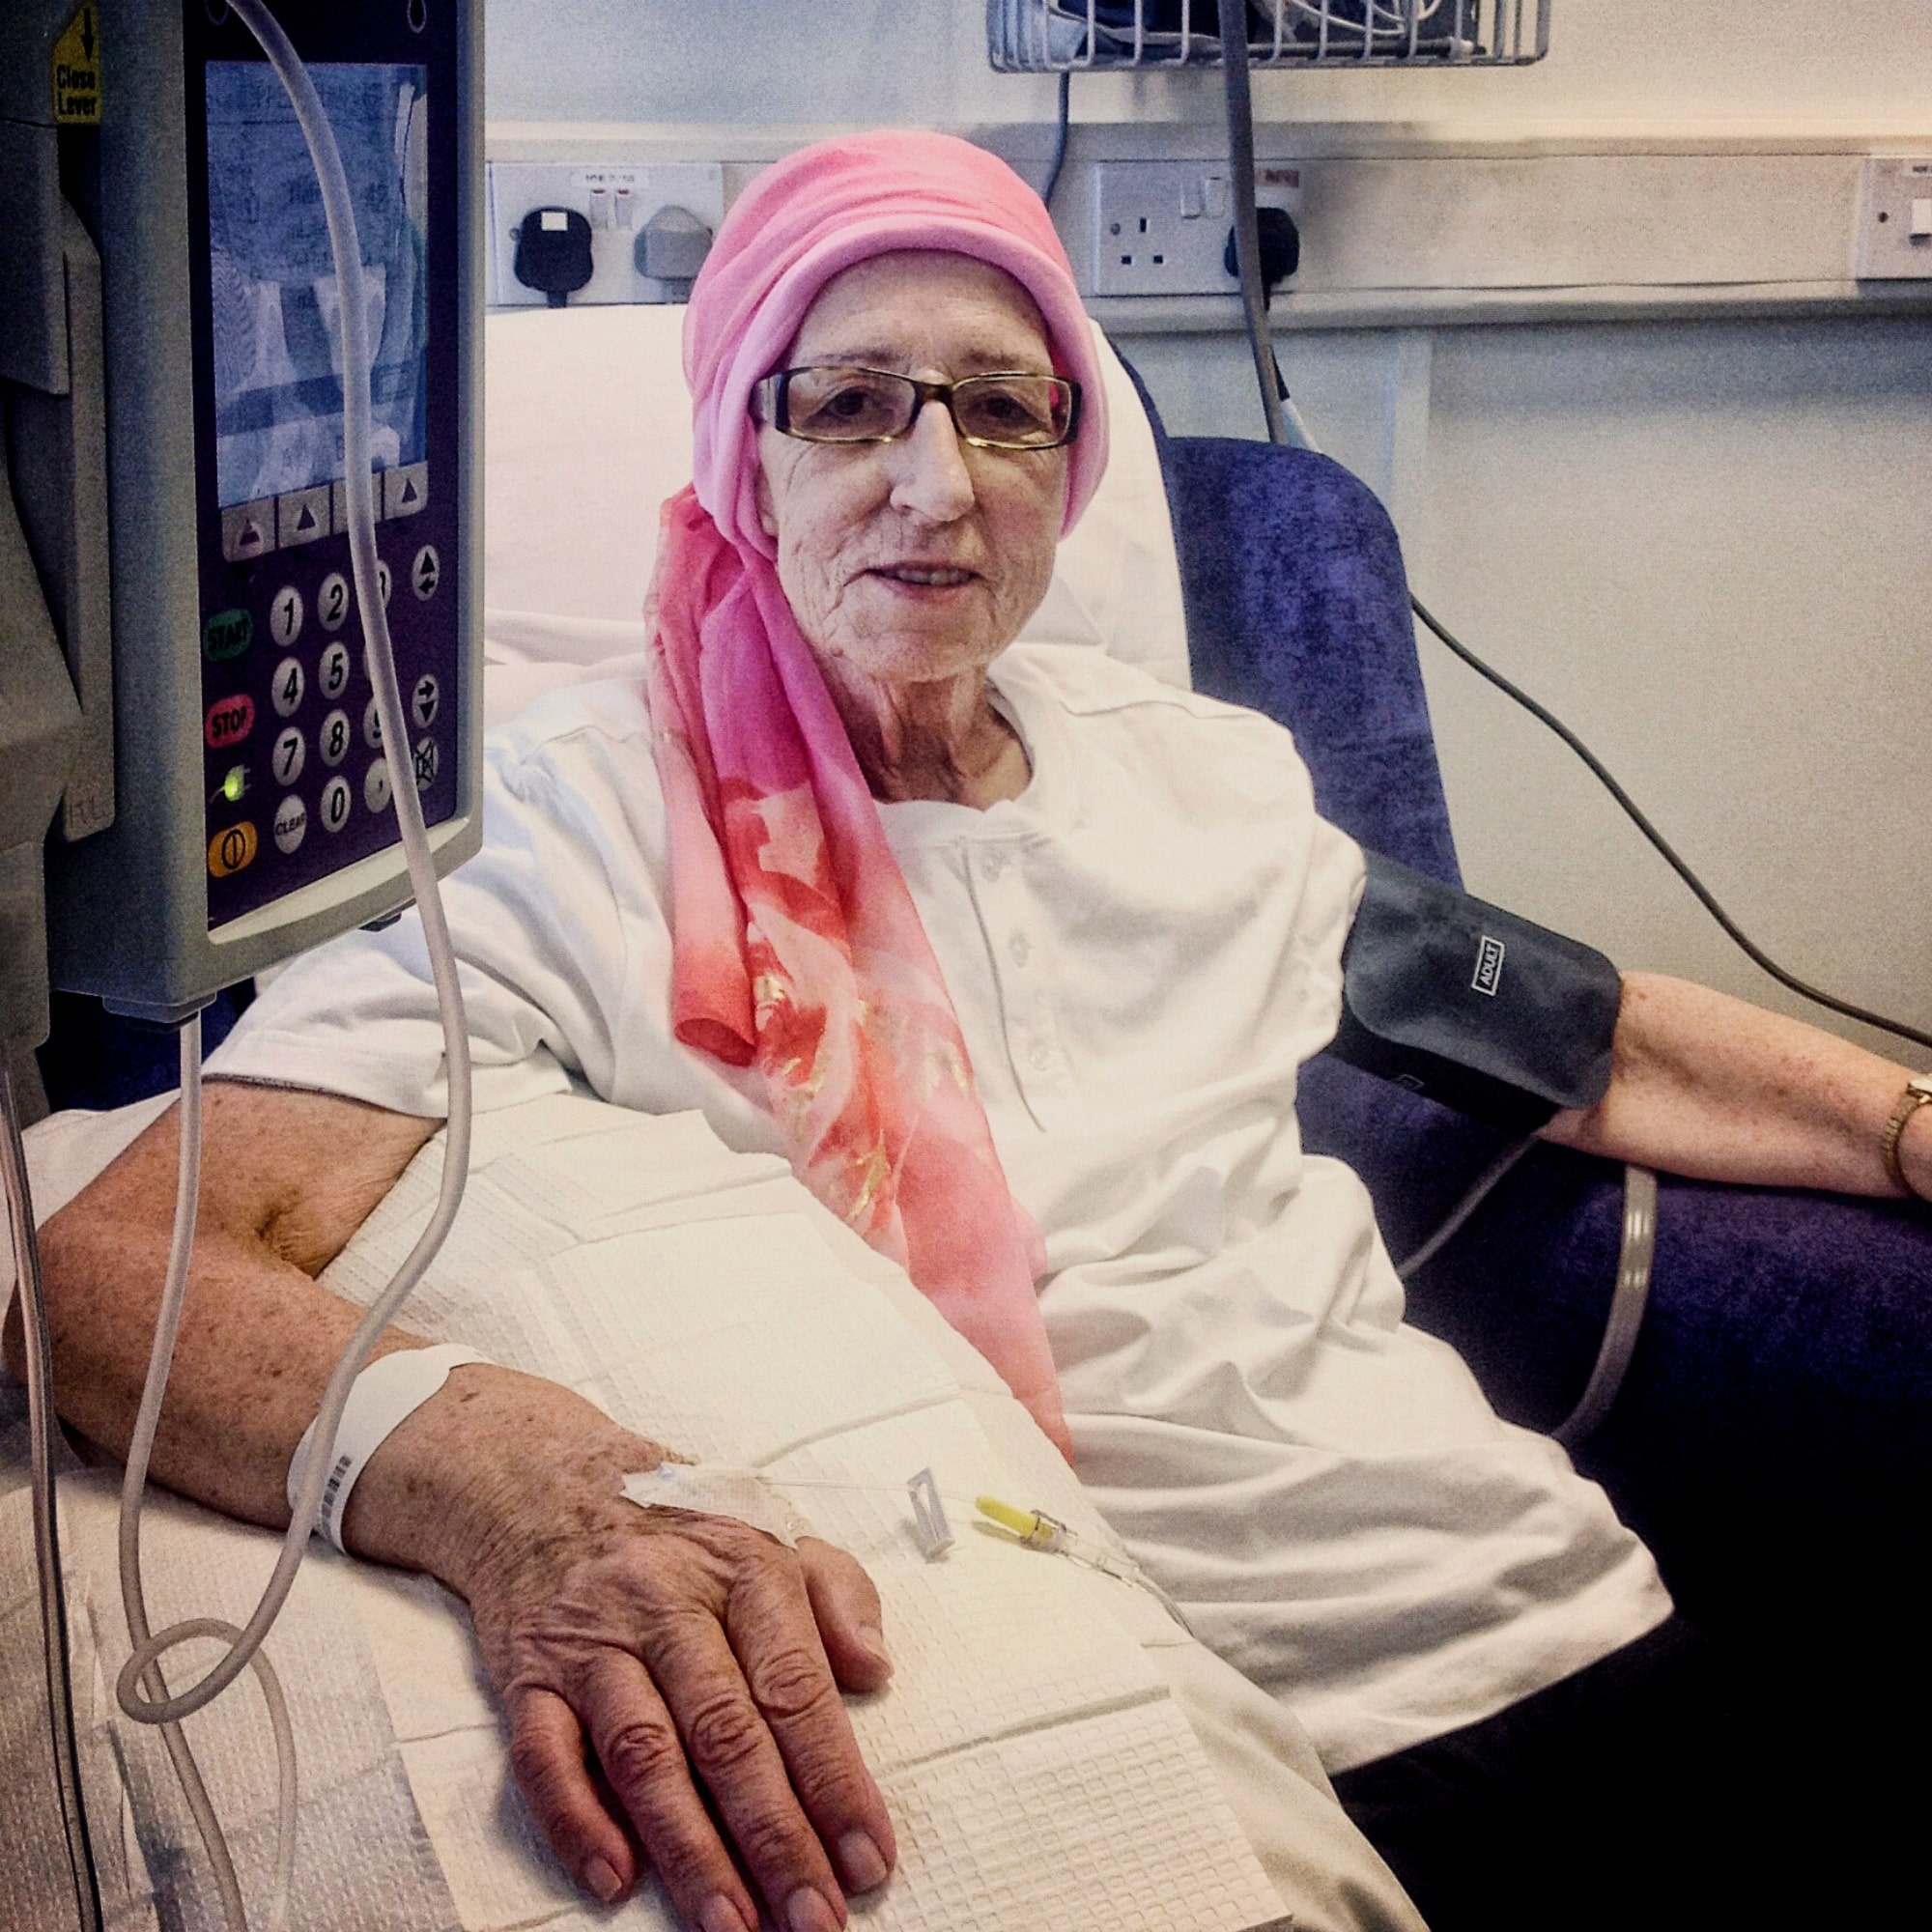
(140, 1689)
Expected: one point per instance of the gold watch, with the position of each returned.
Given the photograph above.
(1918, 1093)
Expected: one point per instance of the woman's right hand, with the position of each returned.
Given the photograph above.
(646, 1658)
(649, 1661)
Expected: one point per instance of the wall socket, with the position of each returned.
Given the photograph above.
(1161, 228)
(617, 199)
(1896, 219)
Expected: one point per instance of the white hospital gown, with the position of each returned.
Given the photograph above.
(1142, 949)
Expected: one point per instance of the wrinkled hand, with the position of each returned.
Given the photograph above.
(651, 1660)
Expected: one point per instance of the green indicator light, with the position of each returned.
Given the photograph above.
(234, 783)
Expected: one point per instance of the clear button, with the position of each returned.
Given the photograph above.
(291, 822)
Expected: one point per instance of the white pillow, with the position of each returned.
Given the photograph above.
(587, 430)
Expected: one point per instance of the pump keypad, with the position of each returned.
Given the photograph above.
(292, 741)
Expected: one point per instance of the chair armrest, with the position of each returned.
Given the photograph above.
(1771, 1440)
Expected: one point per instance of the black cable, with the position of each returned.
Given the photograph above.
(1273, 389)
(1233, 23)
(1059, 161)
(1754, 953)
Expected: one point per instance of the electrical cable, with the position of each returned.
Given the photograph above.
(1283, 421)
(1240, 113)
(1059, 161)
(1275, 406)
(45, 1433)
(1284, 427)
(1705, 898)
(137, 1694)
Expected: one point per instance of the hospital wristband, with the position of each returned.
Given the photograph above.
(385, 1396)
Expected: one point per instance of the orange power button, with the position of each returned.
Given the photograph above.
(229, 851)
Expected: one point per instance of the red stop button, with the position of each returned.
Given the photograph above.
(229, 721)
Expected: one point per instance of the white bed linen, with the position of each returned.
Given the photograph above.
(414, 1667)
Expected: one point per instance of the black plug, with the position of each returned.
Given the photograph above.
(553, 252)
(1281, 248)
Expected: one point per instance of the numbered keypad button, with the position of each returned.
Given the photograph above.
(286, 688)
(425, 763)
(425, 572)
(285, 616)
(289, 756)
(332, 740)
(382, 582)
(291, 822)
(372, 725)
(424, 697)
(331, 670)
(334, 804)
(376, 785)
(331, 601)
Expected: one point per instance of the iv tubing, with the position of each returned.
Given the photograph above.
(45, 1448)
(341, 218)
(133, 1600)
(138, 1680)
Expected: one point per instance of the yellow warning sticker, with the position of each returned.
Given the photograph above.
(77, 72)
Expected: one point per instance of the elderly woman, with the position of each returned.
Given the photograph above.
(1016, 954)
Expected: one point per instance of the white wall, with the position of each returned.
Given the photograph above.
(846, 60)
(1708, 545)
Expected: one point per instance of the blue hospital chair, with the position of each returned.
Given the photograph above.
(1773, 1437)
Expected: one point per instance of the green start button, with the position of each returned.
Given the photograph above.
(227, 635)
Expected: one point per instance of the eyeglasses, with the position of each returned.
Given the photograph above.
(1007, 409)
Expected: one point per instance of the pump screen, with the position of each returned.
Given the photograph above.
(276, 316)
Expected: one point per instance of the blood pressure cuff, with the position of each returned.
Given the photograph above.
(1470, 1006)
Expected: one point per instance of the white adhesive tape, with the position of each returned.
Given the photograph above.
(718, 1489)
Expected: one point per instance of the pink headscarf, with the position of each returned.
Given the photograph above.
(796, 945)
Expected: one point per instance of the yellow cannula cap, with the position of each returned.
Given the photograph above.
(1022, 1522)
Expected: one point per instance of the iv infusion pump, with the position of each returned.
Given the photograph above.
(183, 703)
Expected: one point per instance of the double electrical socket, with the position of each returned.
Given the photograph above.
(1896, 219)
(1161, 228)
(619, 200)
